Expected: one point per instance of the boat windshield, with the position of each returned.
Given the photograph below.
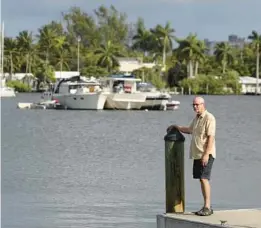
(145, 87)
(78, 86)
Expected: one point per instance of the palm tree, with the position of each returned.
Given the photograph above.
(47, 40)
(210, 66)
(200, 55)
(224, 55)
(164, 36)
(190, 50)
(107, 55)
(10, 48)
(256, 42)
(61, 52)
(143, 38)
(62, 59)
(26, 48)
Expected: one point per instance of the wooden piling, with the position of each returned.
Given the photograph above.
(174, 171)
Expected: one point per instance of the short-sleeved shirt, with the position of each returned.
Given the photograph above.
(201, 127)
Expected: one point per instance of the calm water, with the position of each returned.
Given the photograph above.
(106, 169)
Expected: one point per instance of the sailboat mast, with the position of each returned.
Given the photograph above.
(1, 55)
(2, 51)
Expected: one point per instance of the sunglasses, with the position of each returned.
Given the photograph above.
(196, 104)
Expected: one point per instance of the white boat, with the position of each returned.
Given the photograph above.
(7, 92)
(124, 95)
(78, 94)
(155, 100)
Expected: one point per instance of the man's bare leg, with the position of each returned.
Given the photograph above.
(205, 188)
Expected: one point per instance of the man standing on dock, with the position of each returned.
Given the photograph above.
(202, 149)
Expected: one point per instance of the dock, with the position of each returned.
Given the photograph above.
(175, 215)
(242, 218)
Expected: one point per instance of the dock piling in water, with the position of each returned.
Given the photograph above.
(174, 171)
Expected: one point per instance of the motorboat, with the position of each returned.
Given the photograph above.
(125, 93)
(79, 94)
(155, 99)
(6, 91)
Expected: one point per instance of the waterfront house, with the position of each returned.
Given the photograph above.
(26, 78)
(249, 85)
(128, 65)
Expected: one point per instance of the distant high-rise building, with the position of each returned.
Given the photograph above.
(233, 40)
(210, 46)
(132, 29)
(236, 41)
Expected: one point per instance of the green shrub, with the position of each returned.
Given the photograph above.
(19, 86)
(211, 84)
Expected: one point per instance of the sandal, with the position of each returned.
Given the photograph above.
(205, 212)
(196, 212)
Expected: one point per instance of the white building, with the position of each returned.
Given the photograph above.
(27, 78)
(65, 74)
(128, 65)
(18, 76)
(249, 85)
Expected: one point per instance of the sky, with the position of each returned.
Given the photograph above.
(211, 19)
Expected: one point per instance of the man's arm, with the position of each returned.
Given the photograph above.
(210, 141)
(186, 130)
(211, 132)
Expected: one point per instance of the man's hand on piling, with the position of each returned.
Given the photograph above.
(172, 126)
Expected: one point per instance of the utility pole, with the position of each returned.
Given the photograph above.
(78, 53)
(257, 67)
(2, 53)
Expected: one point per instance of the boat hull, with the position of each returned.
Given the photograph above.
(7, 92)
(173, 105)
(125, 101)
(155, 103)
(139, 101)
(91, 101)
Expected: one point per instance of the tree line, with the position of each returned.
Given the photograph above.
(93, 44)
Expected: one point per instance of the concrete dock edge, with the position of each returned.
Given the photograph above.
(241, 218)
(164, 221)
